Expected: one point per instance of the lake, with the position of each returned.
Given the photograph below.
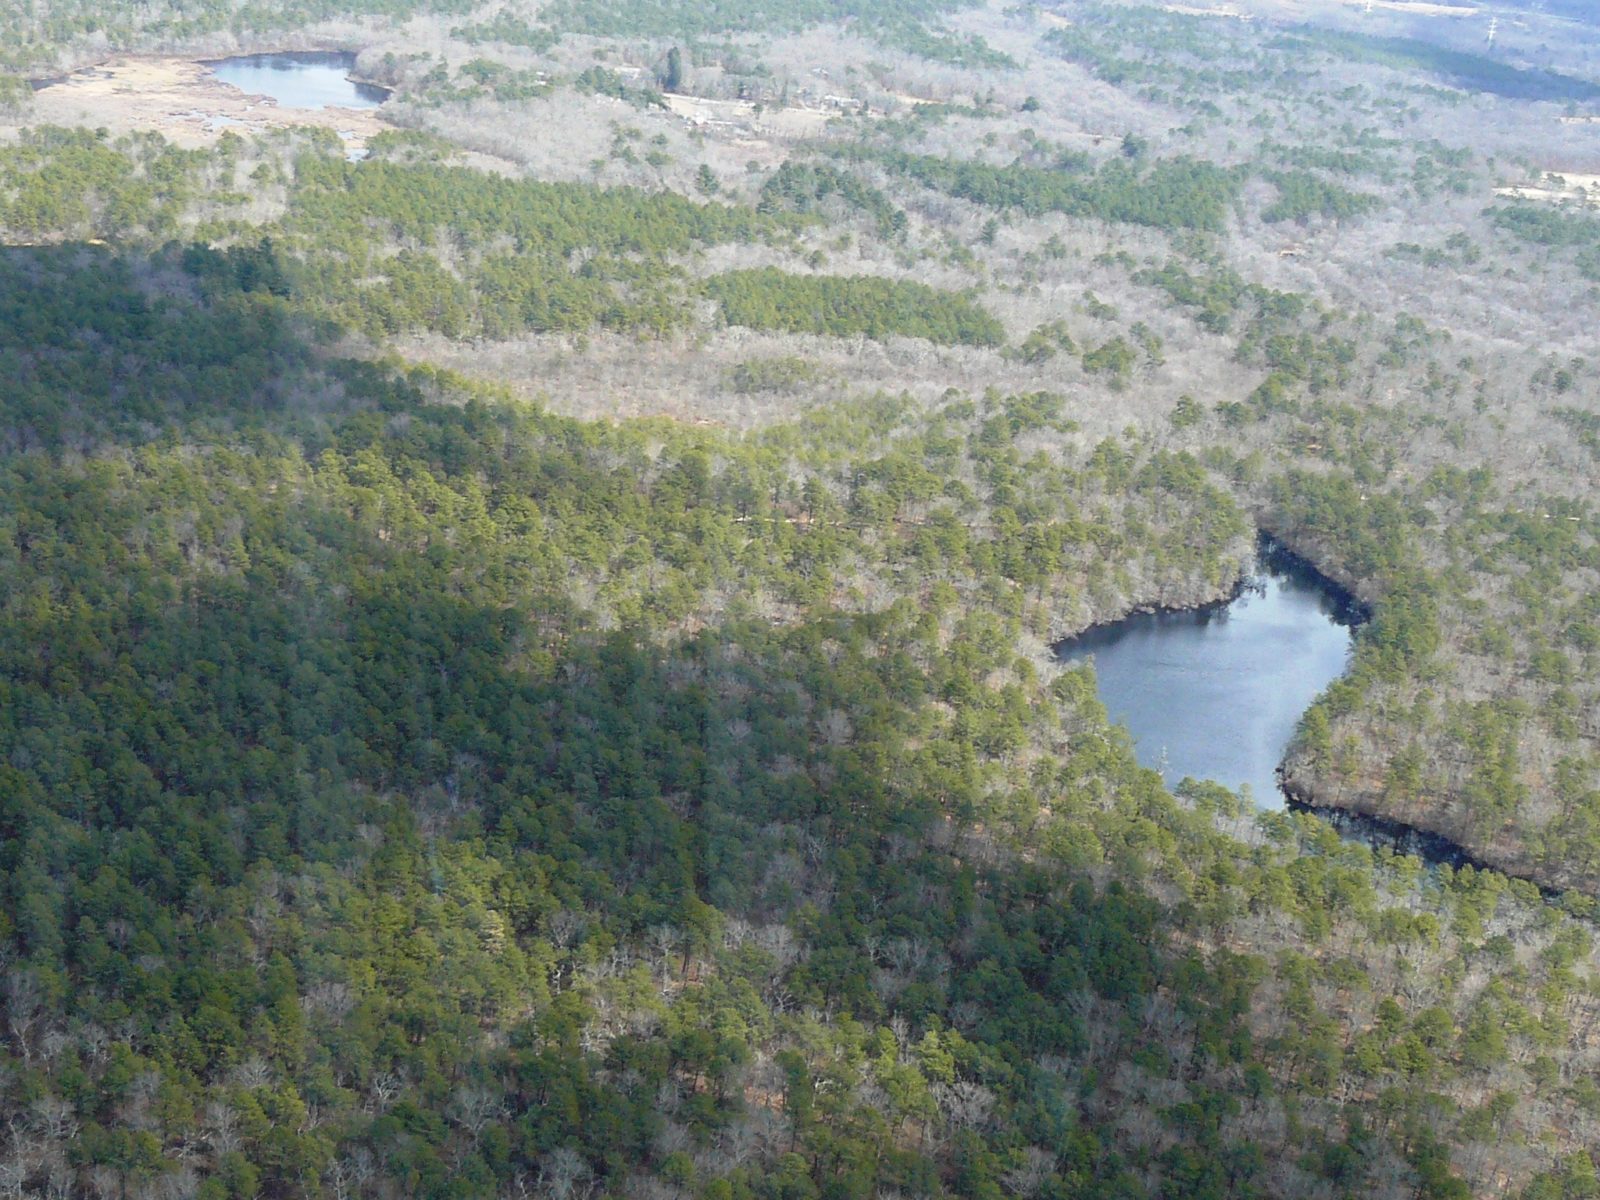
(296, 80)
(1215, 693)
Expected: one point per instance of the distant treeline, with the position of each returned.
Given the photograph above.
(1474, 72)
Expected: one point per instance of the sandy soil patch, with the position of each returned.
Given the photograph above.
(761, 137)
(1557, 187)
(1419, 8)
(908, 98)
(1190, 10)
(740, 117)
(183, 101)
(1311, 10)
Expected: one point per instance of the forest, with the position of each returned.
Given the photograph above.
(526, 639)
(299, 661)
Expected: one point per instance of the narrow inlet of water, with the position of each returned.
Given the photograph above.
(1215, 693)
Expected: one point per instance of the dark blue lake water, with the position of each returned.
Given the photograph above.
(1216, 693)
(300, 80)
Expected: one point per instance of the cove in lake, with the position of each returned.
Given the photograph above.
(1215, 692)
(300, 80)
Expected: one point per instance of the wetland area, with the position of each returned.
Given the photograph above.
(194, 102)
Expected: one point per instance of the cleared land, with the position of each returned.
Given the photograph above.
(1557, 187)
(183, 101)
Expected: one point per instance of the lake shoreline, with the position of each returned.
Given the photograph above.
(1353, 610)
(1278, 557)
(1380, 832)
(1271, 548)
(1375, 829)
(182, 99)
(1218, 678)
(1191, 598)
(345, 59)
(1362, 824)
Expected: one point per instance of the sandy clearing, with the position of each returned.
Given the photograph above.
(1190, 10)
(1556, 187)
(740, 116)
(762, 137)
(908, 98)
(1420, 8)
(1544, 195)
(184, 101)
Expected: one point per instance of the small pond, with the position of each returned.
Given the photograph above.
(296, 80)
(1215, 693)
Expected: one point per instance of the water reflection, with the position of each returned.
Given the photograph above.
(300, 80)
(1216, 693)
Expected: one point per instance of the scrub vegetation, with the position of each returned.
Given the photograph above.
(525, 657)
